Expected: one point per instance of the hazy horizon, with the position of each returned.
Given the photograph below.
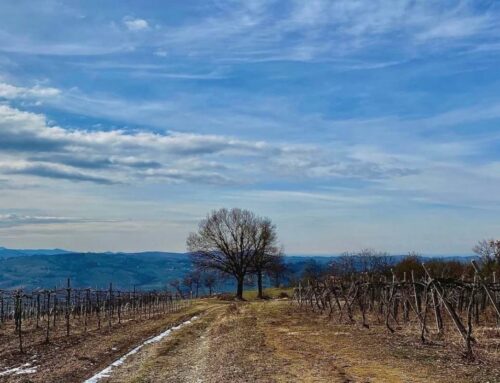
(352, 125)
(286, 254)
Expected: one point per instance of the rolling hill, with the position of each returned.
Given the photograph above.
(31, 269)
(150, 270)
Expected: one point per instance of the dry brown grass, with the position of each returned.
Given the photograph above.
(375, 355)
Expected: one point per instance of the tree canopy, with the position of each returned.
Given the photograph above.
(235, 242)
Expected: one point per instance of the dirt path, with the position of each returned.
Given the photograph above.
(272, 342)
(261, 341)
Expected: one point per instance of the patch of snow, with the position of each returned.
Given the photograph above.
(106, 373)
(24, 369)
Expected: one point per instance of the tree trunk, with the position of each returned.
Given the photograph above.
(259, 284)
(239, 291)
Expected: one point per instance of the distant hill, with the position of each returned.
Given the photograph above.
(8, 253)
(44, 268)
(149, 270)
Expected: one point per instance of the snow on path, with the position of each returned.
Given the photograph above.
(107, 371)
(24, 369)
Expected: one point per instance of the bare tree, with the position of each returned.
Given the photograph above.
(277, 271)
(209, 281)
(266, 250)
(176, 284)
(226, 241)
(344, 264)
(489, 251)
(313, 270)
(188, 282)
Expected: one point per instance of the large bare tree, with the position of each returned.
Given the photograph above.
(229, 241)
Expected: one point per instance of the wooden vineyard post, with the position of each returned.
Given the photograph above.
(300, 294)
(55, 308)
(2, 319)
(48, 318)
(496, 294)
(119, 308)
(469, 339)
(134, 304)
(98, 309)
(424, 315)
(19, 319)
(406, 310)
(68, 304)
(149, 305)
(87, 307)
(110, 307)
(37, 310)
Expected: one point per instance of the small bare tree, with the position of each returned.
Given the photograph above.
(176, 284)
(489, 251)
(277, 271)
(188, 282)
(209, 281)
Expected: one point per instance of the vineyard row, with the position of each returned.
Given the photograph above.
(81, 307)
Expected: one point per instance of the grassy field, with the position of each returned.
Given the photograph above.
(270, 293)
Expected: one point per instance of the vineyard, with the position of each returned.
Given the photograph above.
(428, 306)
(67, 311)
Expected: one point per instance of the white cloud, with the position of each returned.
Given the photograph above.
(134, 24)
(31, 147)
(326, 30)
(161, 53)
(263, 31)
(9, 91)
(13, 220)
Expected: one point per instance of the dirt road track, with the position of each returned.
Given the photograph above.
(272, 342)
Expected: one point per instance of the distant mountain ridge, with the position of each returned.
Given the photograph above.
(148, 270)
(7, 253)
(43, 268)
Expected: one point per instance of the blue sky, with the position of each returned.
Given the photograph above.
(350, 123)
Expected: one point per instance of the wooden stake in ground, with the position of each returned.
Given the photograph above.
(19, 319)
(68, 303)
(48, 318)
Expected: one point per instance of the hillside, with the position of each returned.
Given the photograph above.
(44, 268)
(151, 270)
